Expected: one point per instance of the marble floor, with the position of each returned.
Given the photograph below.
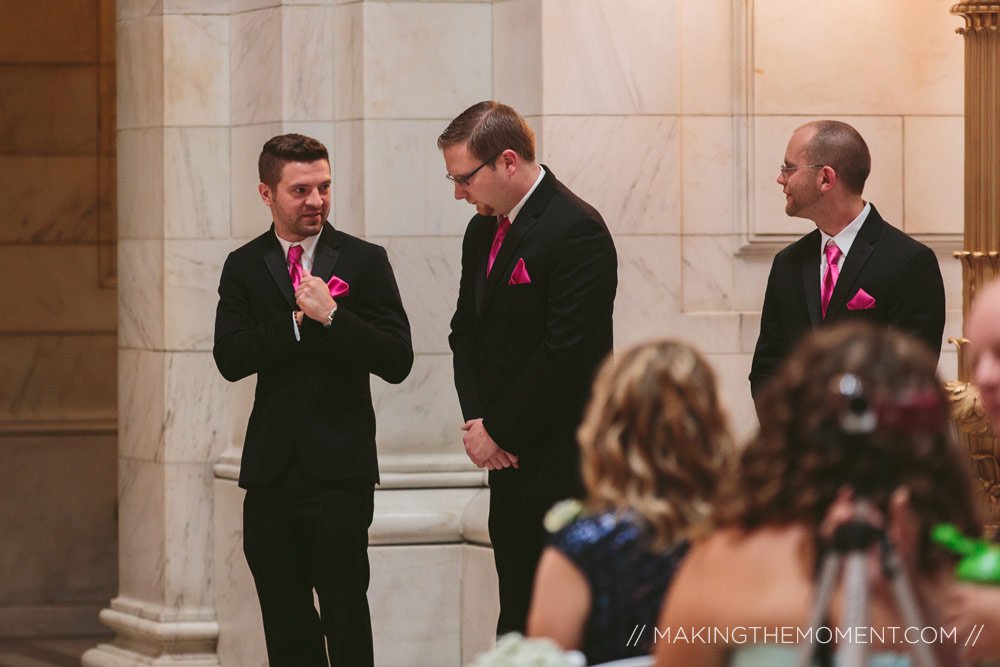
(52, 652)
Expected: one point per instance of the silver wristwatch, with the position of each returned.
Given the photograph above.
(329, 317)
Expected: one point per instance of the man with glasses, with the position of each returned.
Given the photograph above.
(854, 265)
(533, 321)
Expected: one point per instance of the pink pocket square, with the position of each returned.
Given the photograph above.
(520, 275)
(337, 287)
(861, 301)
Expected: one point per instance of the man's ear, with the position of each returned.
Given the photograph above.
(265, 193)
(827, 178)
(510, 159)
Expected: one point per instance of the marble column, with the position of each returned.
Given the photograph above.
(173, 227)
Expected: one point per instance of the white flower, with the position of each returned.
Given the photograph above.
(514, 650)
(562, 514)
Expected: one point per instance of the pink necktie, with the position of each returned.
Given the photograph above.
(295, 265)
(498, 240)
(832, 273)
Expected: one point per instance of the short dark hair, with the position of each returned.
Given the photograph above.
(287, 148)
(490, 128)
(840, 146)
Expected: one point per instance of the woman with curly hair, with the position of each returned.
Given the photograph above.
(758, 568)
(653, 446)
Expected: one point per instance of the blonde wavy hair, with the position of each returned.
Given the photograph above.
(654, 440)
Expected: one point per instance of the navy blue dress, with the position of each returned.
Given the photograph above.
(627, 581)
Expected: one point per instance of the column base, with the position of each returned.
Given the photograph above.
(142, 641)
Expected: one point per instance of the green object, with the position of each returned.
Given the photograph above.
(980, 561)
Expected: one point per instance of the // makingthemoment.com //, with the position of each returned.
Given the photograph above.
(795, 635)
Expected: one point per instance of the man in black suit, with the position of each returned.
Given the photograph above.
(853, 266)
(313, 312)
(533, 322)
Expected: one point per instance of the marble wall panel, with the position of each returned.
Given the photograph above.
(240, 6)
(67, 185)
(627, 167)
(142, 403)
(649, 287)
(142, 547)
(915, 69)
(58, 497)
(190, 292)
(406, 193)
(709, 165)
(707, 278)
(189, 589)
(348, 208)
(884, 136)
(307, 74)
(195, 416)
(711, 333)
(195, 70)
(421, 415)
(70, 30)
(933, 174)
(255, 60)
(141, 181)
(58, 377)
(140, 75)
(415, 604)
(517, 55)
(480, 601)
(349, 63)
(241, 634)
(748, 290)
(731, 371)
(951, 273)
(427, 270)
(196, 183)
(425, 60)
(64, 293)
(611, 57)
(707, 52)
(249, 215)
(134, 9)
(140, 295)
(32, 124)
(196, 6)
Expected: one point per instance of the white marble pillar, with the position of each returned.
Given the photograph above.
(173, 138)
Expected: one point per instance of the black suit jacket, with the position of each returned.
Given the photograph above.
(901, 274)
(525, 355)
(312, 395)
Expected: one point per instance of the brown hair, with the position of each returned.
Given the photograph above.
(287, 148)
(791, 471)
(841, 147)
(489, 128)
(654, 440)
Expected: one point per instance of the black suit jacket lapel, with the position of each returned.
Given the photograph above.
(482, 255)
(861, 251)
(519, 228)
(810, 278)
(274, 258)
(327, 252)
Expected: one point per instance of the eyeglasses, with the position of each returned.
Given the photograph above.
(464, 180)
(784, 170)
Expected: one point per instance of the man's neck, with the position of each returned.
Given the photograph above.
(523, 182)
(836, 218)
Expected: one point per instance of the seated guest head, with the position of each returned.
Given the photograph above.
(855, 426)
(804, 452)
(654, 439)
(654, 445)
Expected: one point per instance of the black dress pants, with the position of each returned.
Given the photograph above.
(518, 538)
(301, 533)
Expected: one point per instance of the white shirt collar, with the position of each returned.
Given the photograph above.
(308, 249)
(517, 209)
(845, 239)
